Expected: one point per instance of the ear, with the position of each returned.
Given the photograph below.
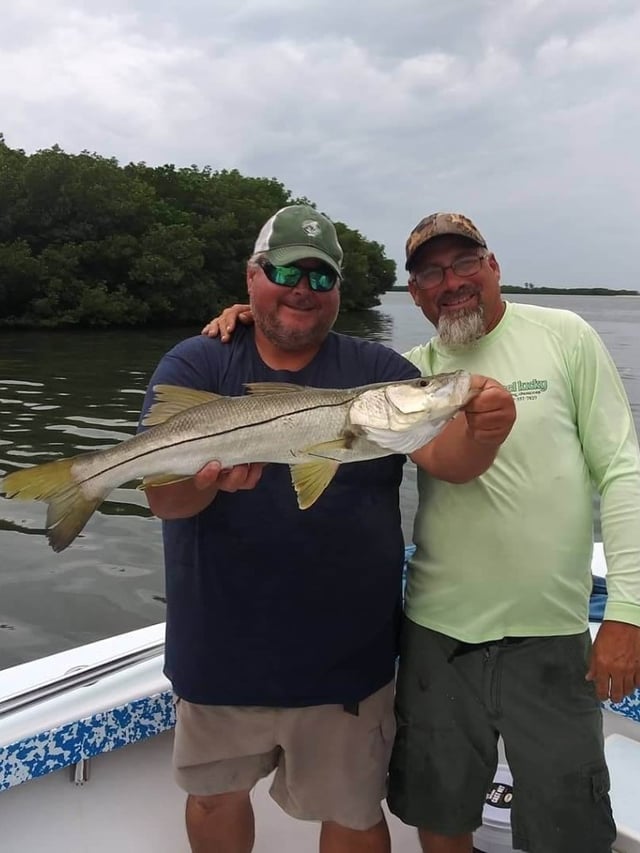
(493, 263)
(251, 274)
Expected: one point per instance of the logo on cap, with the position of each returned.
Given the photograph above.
(311, 228)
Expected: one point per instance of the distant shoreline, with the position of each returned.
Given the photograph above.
(571, 291)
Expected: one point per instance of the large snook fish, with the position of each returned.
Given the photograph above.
(312, 430)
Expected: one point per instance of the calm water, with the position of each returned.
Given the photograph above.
(62, 394)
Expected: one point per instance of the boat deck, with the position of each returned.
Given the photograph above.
(130, 804)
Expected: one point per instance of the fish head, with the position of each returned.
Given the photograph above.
(428, 396)
(403, 416)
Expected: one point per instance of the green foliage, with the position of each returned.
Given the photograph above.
(367, 272)
(87, 242)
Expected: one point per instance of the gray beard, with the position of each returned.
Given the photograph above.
(462, 328)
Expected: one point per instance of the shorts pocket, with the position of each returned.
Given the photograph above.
(567, 814)
(600, 784)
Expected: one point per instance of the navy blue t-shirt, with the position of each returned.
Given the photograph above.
(268, 604)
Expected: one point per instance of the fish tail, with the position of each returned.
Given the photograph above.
(53, 482)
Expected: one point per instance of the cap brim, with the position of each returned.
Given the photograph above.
(291, 254)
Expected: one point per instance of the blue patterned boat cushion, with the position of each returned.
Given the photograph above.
(629, 707)
(61, 747)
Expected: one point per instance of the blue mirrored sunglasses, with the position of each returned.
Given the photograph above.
(320, 280)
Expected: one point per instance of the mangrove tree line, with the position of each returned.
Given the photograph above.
(85, 241)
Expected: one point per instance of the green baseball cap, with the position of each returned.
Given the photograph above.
(437, 225)
(296, 232)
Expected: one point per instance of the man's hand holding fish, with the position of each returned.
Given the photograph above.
(469, 443)
(189, 497)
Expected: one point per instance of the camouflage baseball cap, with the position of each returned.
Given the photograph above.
(438, 225)
(296, 232)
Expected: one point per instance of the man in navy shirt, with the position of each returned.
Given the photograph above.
(282, 624)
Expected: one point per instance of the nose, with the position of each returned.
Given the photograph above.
(451, 279)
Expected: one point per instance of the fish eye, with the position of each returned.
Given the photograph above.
(423, 383)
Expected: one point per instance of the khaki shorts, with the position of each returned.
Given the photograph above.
(331, 765)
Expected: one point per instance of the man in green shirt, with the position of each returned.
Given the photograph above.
(496, 638)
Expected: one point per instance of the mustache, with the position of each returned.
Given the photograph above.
(464, 290)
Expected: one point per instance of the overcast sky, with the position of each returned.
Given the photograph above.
(523, 114)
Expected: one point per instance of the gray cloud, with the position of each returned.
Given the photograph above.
(524, 115)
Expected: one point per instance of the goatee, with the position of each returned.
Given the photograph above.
(461, 328)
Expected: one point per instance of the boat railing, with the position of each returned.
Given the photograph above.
(79, 676)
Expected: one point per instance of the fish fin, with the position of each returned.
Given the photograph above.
(170, 400)
(326, 448)
(69, 510)
(310, 479)
(256, 388)
(162, 480)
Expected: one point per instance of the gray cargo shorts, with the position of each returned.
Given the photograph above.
(454, 699)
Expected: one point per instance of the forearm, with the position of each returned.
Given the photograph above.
(180, 500)
(620, 523)
(610, 447)
(454, 455)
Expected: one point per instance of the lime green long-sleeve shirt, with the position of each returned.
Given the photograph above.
(509, 554)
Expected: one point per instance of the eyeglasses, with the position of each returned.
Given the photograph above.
(320, 280)
(433, 275)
